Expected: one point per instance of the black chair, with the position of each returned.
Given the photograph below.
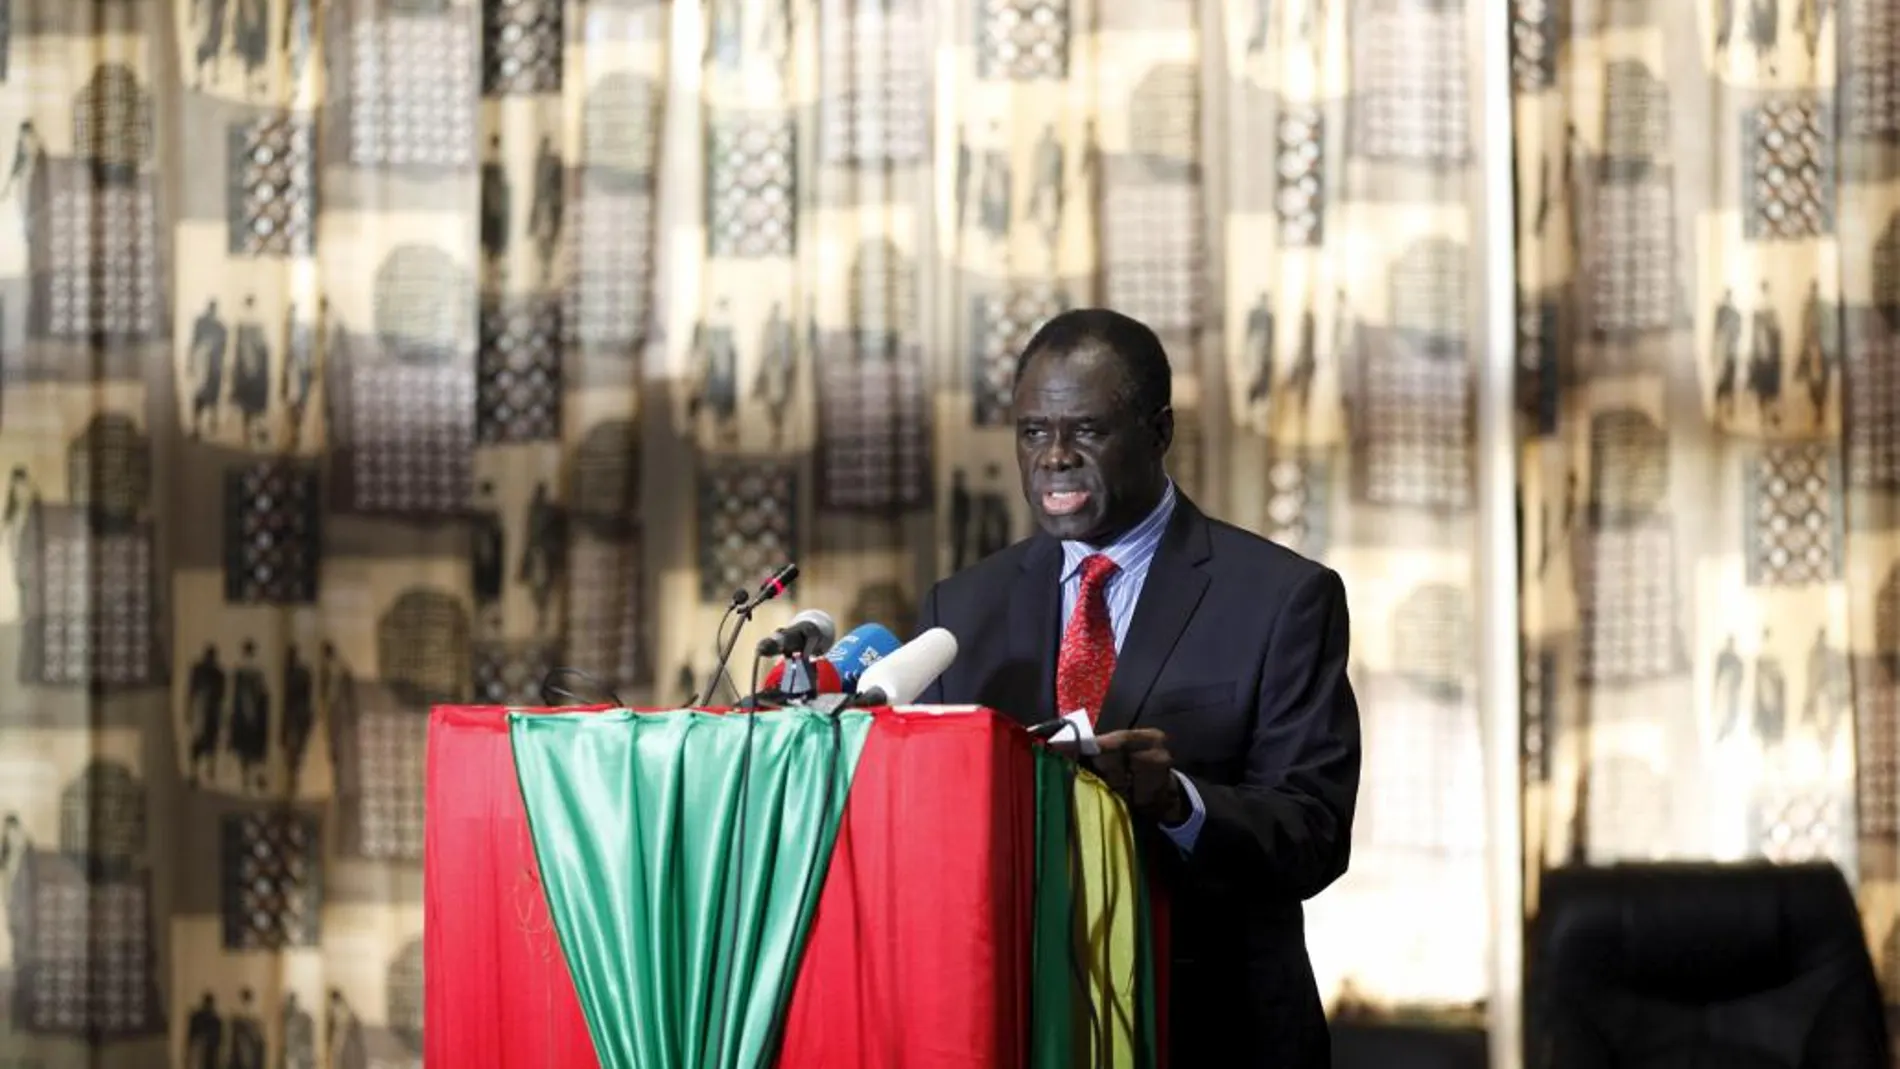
(1373, 1046)
(1698, 966)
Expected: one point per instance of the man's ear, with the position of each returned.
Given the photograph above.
(1164, 429)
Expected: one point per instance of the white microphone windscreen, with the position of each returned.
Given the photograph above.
(904, 674)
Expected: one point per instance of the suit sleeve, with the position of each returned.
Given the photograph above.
(1288, 824)
(927, 619)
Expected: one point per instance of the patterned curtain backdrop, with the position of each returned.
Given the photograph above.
(1343, 146)
(367, 354)
(1709, 260)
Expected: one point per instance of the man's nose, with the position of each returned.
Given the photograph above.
(1060, 454)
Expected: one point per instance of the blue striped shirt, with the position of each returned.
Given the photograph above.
(1132, 553)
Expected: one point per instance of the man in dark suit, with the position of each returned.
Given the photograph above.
(1213, 663)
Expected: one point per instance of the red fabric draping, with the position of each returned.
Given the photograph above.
(497, 994)
(1160, 935)
(919, 952)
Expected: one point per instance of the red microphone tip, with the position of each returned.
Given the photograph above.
(827, 677)
(824, 675)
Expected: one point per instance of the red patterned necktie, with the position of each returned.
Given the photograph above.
(1087, 659)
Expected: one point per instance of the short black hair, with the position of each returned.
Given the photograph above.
(1143, 360)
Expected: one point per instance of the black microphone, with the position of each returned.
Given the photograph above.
(776, 584)
(743, 607)
(810, 633)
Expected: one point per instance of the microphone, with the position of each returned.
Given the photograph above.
(776, 584)
(811, 633)
(864, 646)
(836, 673)
(900, 677)
(743, 607)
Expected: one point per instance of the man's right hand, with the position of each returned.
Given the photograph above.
(1136, 764)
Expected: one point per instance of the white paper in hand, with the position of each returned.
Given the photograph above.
(1076, 735)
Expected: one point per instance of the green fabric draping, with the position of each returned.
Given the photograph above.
(1092, 980)
(682, 855)
(1058, 1006)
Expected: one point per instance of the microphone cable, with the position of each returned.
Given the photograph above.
(724, 647)
(736, 898)
(738, 870)
(816, 883)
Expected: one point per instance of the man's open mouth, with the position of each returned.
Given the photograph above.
(1064, 502)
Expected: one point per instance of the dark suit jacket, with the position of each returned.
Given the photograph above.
(1237, 650)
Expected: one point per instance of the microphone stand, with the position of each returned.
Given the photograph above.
(797, 683)
(743, 605)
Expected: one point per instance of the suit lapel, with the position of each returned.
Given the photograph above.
(1169, 596)
(1035, 629)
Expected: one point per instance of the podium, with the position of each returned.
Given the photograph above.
(921, 888)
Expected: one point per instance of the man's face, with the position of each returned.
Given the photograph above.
(1091, 465)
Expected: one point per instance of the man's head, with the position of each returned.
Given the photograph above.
(1093, 424)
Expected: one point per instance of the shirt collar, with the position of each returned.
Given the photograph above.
(1133, 549)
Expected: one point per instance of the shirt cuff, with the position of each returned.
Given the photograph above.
(1186, 833)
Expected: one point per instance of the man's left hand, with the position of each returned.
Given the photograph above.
(1136, 764)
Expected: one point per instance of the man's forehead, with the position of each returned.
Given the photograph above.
(1091, 394)
(1086, 352)
(1087, 367)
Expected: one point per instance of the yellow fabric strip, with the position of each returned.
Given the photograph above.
(1108, 919)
